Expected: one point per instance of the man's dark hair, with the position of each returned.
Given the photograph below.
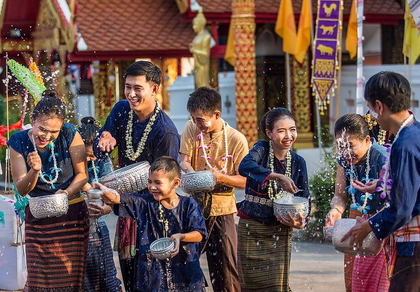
(390, 88)
(205, 99)
(145, 68)
(168, 166)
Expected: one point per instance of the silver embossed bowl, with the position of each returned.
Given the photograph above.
(128, 179)
(49, 205)
(327, 231)
(291, 204)
(371, 245)
(199, 181)
(161, 248)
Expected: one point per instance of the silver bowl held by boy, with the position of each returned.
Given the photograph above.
(161, 248)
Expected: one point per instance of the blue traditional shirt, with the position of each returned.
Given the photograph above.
(254, 167)
(22, 143)
(405, 191)
(377, 159)
(163, 139)
(185, 266)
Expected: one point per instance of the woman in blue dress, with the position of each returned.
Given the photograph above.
(48, 159)
(101, 274)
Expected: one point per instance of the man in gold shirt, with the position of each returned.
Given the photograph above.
(209, 143)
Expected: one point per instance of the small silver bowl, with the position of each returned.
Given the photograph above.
(199, 181)
(371, 245)
(297, 205)
(161, 248)
(94, 194)
(328, 231)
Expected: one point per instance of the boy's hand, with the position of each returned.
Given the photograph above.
(177, 238)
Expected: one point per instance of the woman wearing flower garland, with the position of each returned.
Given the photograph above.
(101, 274)
(47, 159)
(359, 159)
(264, 242)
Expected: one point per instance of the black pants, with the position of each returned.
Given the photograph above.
(221, 251)
(406, 277)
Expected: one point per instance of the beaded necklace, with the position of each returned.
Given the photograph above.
(384, 180)
(163, 220)
(204, 147)
(352, 191)
(43, 175)
(129, 135)
(272, 185)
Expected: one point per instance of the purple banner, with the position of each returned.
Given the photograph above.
(325, 49)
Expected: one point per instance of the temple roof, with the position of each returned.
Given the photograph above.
(133, 25)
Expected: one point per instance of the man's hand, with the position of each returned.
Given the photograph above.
(107, 142)
(358, 233)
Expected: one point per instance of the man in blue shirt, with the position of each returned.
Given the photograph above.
(388, 98)
(142, 131)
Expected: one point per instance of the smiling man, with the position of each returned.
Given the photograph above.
(142, 131)
(209, 143)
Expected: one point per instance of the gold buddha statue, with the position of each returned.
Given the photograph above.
(200, 48)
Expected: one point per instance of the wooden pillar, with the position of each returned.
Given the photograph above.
(301, 103)
(243, 19)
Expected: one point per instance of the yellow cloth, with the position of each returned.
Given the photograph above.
(351, 38)
(411, 45)
(223, 204)
(286, 26)
(230, 46)
(77, 200)
(304, 31)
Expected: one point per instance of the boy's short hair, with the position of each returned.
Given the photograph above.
(390, 88)
(168, 166)
(205, 99)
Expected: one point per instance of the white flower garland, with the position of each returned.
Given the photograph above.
(41, 174)
(129, 135)
(272, 185)
(352, 190)
(224, 158)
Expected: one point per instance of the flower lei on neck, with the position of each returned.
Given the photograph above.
(163, 220)
(385, 182)
(207, 158)
(95, 169)
(272, 185)
(352, 191)
(45, 177)
(129, 135)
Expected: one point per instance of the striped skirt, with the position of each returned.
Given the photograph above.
(56, 250)
(264, 254)
(101, 274)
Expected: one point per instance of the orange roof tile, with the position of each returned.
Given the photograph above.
(133, 25)
(272, 6)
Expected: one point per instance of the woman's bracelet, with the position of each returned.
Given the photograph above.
(338, 210)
